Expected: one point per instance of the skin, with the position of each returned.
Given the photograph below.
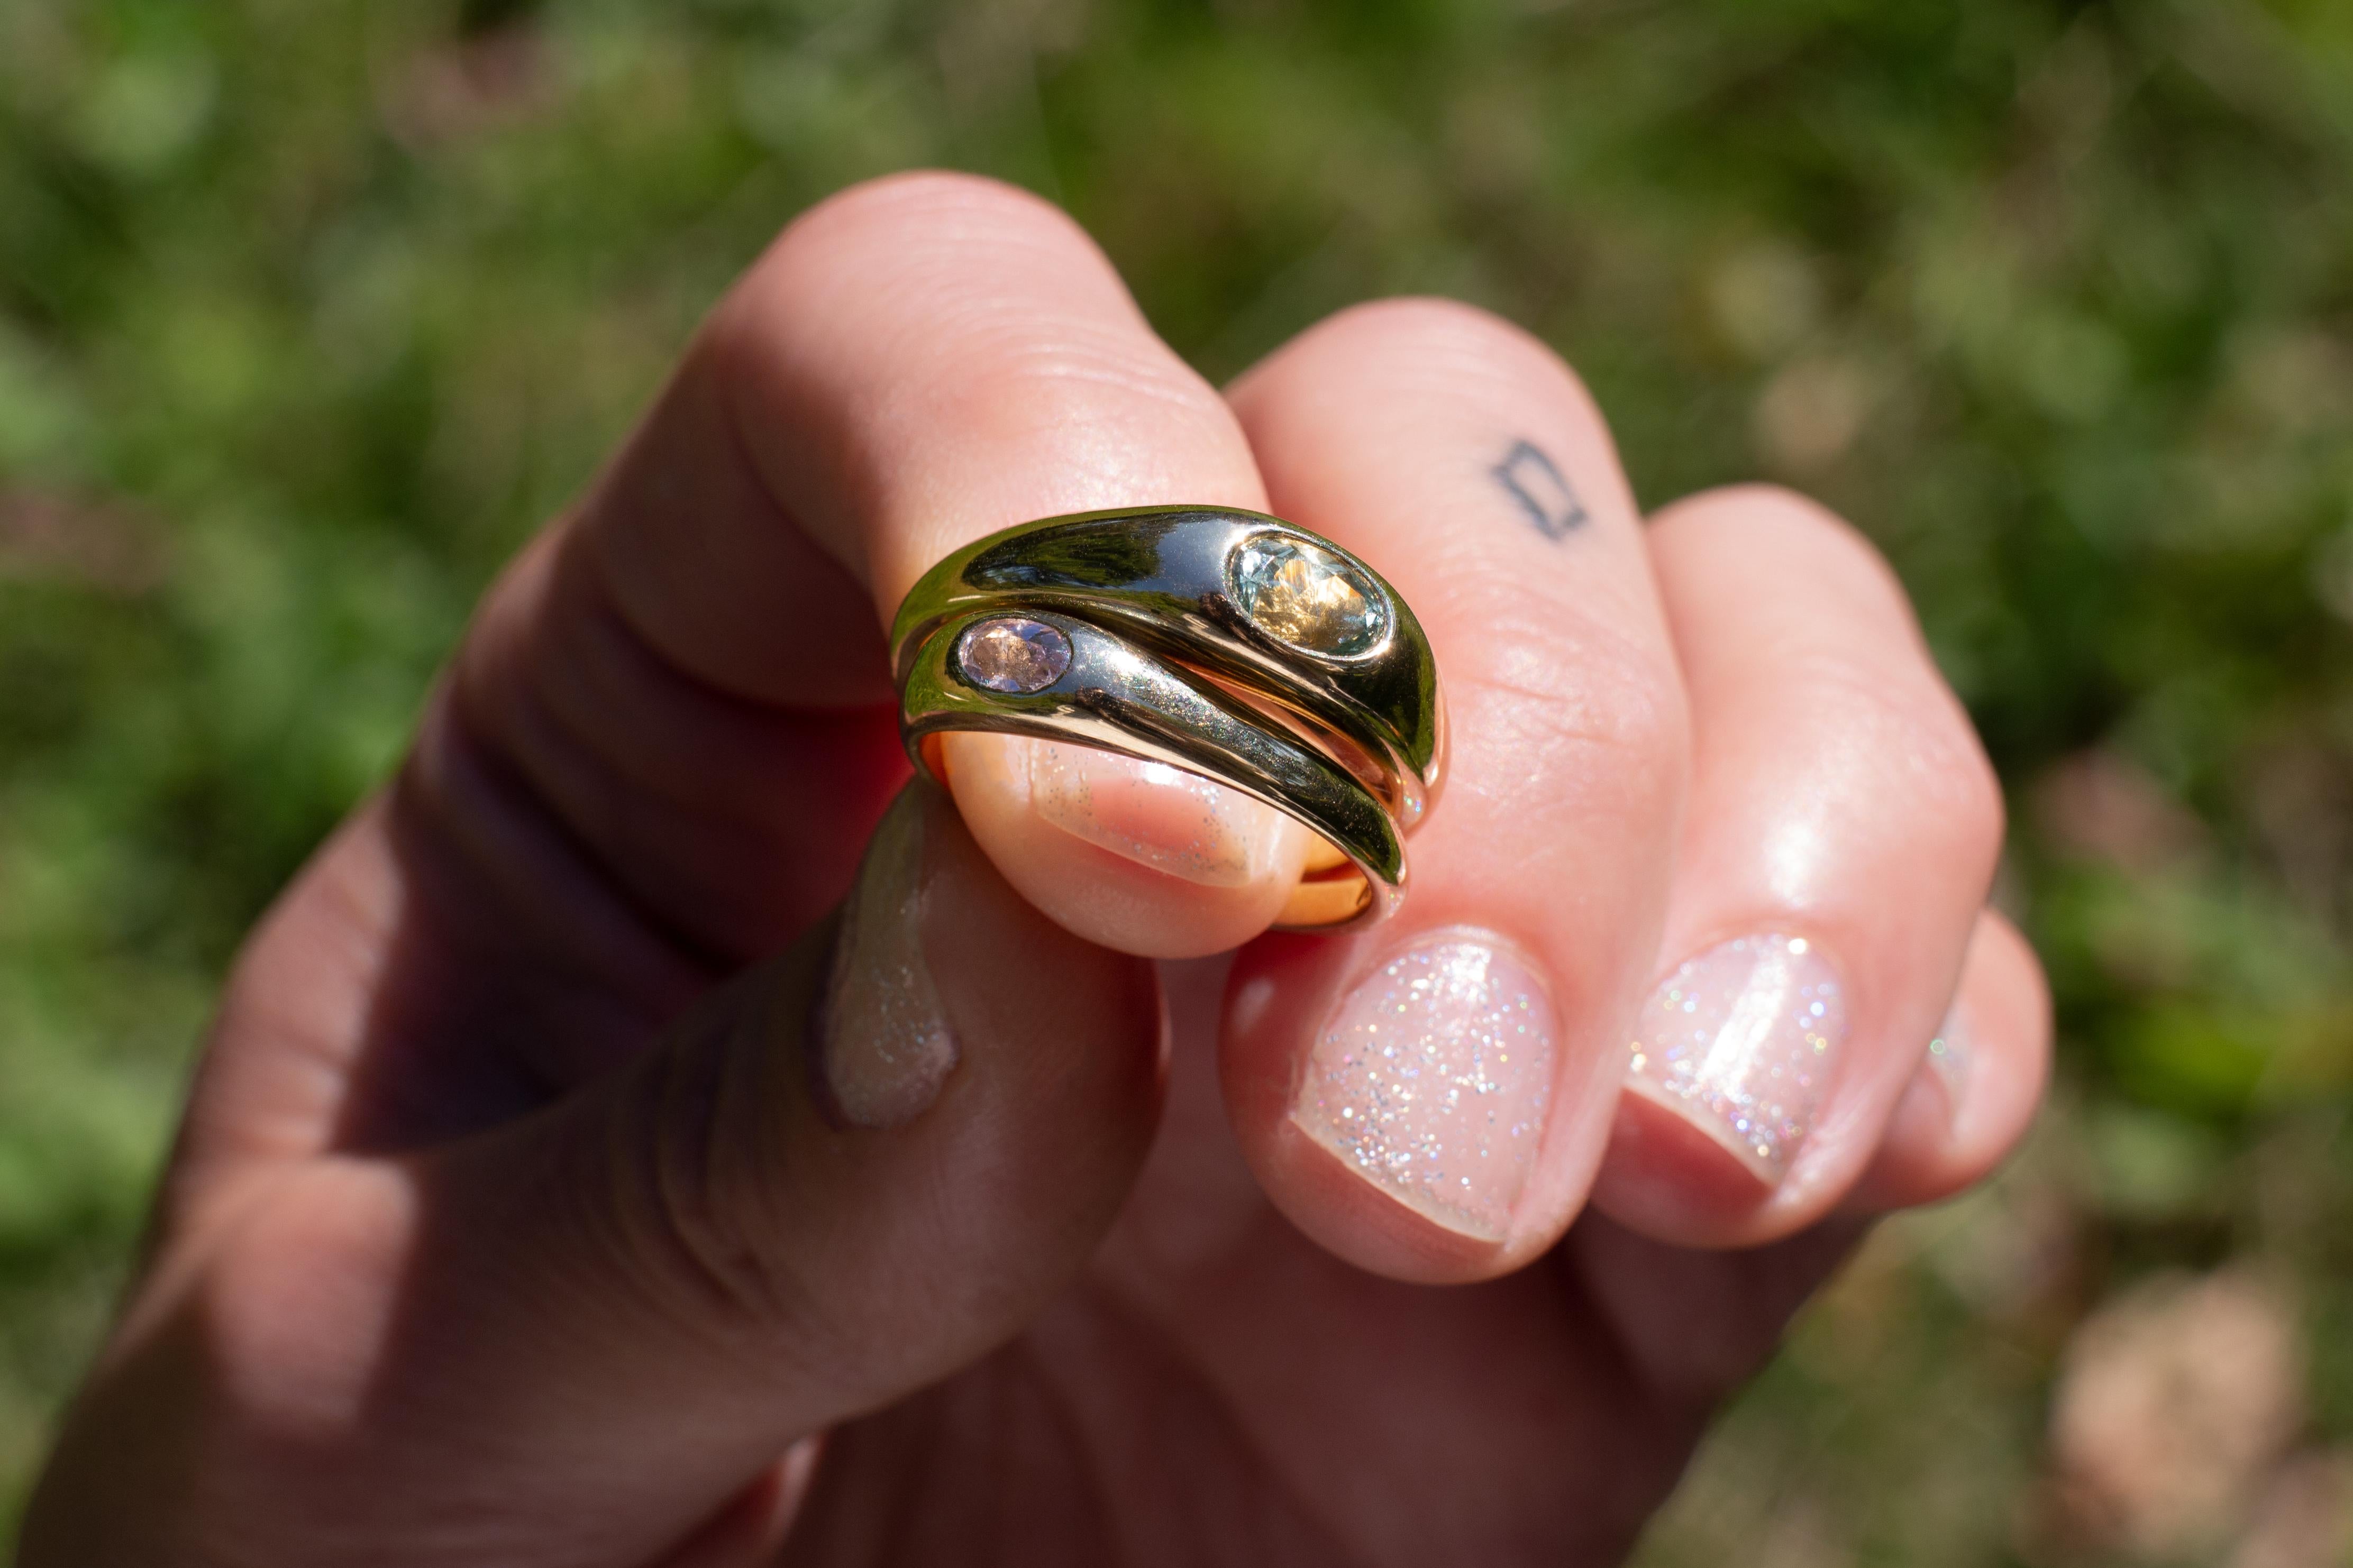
(507, 1226)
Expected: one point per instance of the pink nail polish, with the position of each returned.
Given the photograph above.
(1740, 1042)
(1432, 1078)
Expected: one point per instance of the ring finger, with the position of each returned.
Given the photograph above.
(1841, 836)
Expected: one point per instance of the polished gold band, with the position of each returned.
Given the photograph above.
(1227, 643)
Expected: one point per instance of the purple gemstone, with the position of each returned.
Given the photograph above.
(1015, 655)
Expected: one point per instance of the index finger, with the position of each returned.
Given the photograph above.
(916, 366)
(672, 728)
(913, 365)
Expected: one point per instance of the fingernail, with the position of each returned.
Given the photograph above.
(1155, 815)
(886, 1044)
(1431, 1079)
(1740, 1042)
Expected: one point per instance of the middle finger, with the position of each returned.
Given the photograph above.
(1431, 1098)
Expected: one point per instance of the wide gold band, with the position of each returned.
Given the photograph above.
(1227, 643)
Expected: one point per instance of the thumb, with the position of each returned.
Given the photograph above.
(852, 1173)
(580, 1338)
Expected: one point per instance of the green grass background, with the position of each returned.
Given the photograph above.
(309, 310)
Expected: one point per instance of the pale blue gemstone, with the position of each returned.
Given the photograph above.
(1307, 597)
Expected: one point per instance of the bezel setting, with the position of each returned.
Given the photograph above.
(1307, 597)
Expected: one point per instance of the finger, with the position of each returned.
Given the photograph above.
(579, 1340)
(913, 367)
(1974, 1092)
(665, 732)
(671, 725)
(1430, 1100)
(1842, 835)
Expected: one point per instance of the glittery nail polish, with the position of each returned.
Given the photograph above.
(1740, 1041)
(886, 1048)
(1432, 1078)
(1155, 815)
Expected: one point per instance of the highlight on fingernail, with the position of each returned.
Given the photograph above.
(885, 1047)
(1155, 815)
(1740, 1041)
(1431, 1079)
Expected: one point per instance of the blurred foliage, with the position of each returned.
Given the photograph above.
(308, 312)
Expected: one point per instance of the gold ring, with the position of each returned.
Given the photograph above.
(1226, 643)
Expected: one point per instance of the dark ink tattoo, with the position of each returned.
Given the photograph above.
(1536, 484)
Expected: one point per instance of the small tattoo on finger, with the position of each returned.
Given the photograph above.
(1535, 481)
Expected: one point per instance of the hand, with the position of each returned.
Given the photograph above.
(565, 1184)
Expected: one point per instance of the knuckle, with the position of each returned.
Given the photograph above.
(689, 1168)
(931, 250)
(1752, 499)
(337, 1241)
(924, 206)
(1806, 540)
(1020, 325)
(1447, 343)
(1910, 734)
(1429, 322)
(1750, 507)
(1070, 381)
(1958, 789)
(1842, 632)
(1983, 814)
(1571, 706)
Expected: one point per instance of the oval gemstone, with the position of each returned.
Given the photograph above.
(1014, 654)
(1307, 596)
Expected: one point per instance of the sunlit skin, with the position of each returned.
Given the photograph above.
(510, 1225)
